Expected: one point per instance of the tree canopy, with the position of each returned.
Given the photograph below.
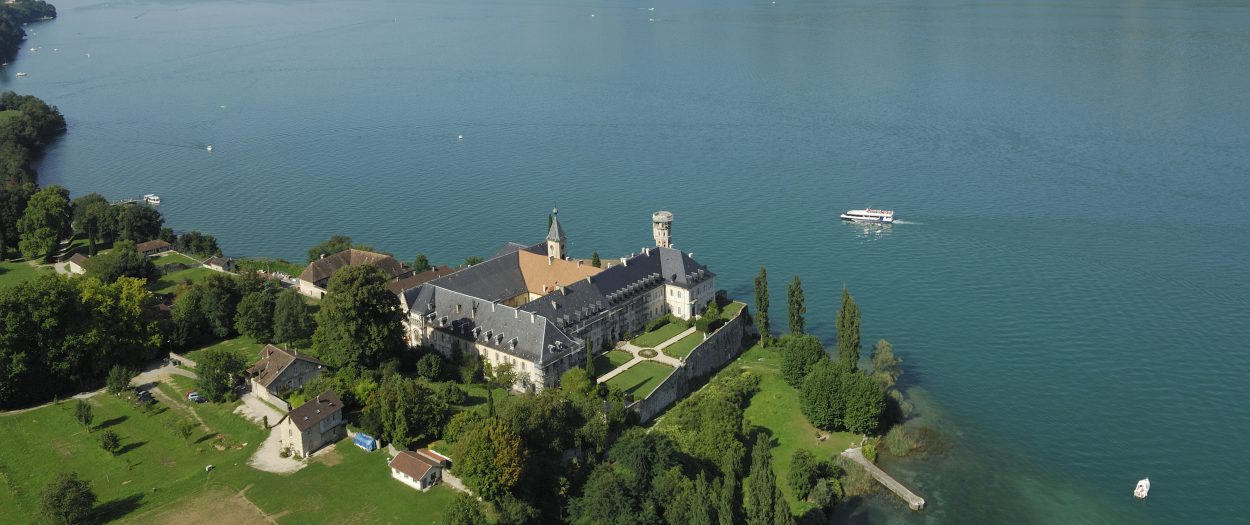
(359, 323)
(407, 410)
(124, 260)
(848, 331)
(490, 458)
(61, 334)
(45, 221)
(291, 318)
(795, 308)
(761, 305)
(219, 370)
(67, 499)
(798, 354)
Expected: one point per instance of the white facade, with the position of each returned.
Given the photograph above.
(430, 478)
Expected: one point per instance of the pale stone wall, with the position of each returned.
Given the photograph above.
(711, 355)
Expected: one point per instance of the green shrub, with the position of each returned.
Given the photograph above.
(658, 323)
(870, 451)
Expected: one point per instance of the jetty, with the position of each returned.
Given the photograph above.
(914, 502)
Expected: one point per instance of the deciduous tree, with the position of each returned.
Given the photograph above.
(464, 509)
(291, 319)
(820, 397)
(407, 410)
(124, 260)
(798, 354)
(335, 244)
(359, 323)
(67, 499)
(83, 414)
(490, 459)
(45, 221)
(219, 371)
(254, 317)
(886, 368)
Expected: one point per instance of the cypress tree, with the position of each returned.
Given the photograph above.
(595, 261)
(848, 331)
(762, 495)
(794, 298)
(761, 305)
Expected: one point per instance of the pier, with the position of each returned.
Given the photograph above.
(914, 502)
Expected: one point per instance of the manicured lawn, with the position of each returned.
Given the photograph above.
(609, 361)
(169, 283)
(776, 408)
(684, 346)
(13, 273)
(731, 309)
(243, 345)
(641, 378)
(171, 258)
(651, 339)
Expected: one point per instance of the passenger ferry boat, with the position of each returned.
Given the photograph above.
(869, 215)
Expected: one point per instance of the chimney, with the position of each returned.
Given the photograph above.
(579, 263)
(624, 261)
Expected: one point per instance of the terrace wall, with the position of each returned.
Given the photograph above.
(721, 347)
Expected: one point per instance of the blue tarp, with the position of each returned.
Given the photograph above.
(366, 442)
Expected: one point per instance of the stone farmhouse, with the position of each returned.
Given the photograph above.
(313, 425)
(538, 309)
(314, 279)
(279, 371)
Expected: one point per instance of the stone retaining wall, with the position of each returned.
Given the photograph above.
(711, 355)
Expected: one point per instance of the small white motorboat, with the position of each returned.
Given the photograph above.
(209, 148)
(152, 199)
(21, 74)
(1143, 488)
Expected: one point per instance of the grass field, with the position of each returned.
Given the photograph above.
(776, 408)
(731, 309)
(242, 345)
(684, 346)
(169, 283)
(609, 361)
(171, 258)
(641, 378)
(8, 114)
(159, 478)
(651, 339)
(13, 273)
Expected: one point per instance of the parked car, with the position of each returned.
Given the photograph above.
(194, 397)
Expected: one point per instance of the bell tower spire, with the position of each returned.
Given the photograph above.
(556, 241)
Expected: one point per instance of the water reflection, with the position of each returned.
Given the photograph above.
(869, 231)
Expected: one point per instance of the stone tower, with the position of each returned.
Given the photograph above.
(662, 228)
(555, 238)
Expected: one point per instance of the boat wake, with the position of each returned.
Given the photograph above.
(907, 222)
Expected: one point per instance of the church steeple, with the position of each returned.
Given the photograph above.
(555, 238)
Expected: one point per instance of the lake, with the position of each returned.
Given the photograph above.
(1068, 286)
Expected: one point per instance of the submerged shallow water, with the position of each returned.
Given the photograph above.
(1067, 284)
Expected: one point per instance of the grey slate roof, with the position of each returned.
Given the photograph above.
(474, 318)
(497, 279)
(507, 249)
(555, 232)
(641, 272)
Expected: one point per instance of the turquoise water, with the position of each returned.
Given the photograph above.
(1069, 288)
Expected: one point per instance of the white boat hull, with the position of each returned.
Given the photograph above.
(852, 218)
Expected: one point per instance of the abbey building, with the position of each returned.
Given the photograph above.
(540, 310)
